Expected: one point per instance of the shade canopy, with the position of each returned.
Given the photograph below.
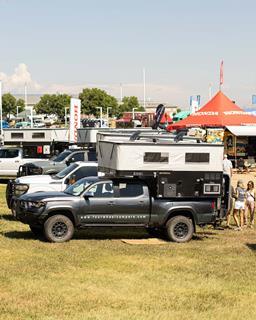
(220, 111)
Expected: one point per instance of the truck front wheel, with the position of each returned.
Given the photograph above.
(58, 228)
(180, 229)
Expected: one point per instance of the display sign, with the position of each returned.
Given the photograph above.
(254, 99)
(39, 149)
(74, 120)
(194, 103)
(47, 149)
(215, 136)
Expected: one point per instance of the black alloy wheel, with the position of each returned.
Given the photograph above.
(58, 228)
(180, 229)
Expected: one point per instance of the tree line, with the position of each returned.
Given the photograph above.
(91, 99)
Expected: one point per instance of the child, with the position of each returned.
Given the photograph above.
(250, 203)
(240, 194)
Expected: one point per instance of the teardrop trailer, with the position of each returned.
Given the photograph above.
(153, 180)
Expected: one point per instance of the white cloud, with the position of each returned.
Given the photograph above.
(16, 81)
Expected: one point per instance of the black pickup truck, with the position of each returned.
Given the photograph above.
(99, 201)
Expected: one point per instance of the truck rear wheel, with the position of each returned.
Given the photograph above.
(58, 228)
(180, 229)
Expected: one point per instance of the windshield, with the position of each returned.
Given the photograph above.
(78, 188)
(63, 173)
(62, 156)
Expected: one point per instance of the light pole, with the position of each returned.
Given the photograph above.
(133, 113)
(100, 115)
(17, 111)
(108, 108)
(31, 115)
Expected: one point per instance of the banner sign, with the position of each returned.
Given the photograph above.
(194, 103)
(254, 99)
(74, 119)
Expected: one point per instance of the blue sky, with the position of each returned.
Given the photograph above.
(64, 46)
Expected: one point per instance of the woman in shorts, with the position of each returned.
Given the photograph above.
(240, 194)
(249, 204)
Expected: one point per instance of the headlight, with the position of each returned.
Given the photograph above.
(20, 189)
(35, 204)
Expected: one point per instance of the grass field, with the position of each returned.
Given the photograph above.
(97, 276)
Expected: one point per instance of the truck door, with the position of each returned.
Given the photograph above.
(119, 203)
(10, 160)
(98, 209)
(132, 203)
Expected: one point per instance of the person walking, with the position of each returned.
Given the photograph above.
(240, 194)
(227, 166)
(250, 204)
(231, 207)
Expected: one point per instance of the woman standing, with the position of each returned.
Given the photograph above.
(250, 203)
(240, 194)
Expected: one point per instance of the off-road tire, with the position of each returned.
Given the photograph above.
(58, 228)
(180, 229)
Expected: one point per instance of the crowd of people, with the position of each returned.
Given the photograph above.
(242, 201)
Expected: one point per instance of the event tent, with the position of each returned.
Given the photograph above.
(220, 111)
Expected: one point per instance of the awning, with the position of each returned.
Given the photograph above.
(249, 131)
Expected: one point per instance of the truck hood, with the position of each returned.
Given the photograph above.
(47, 196)
(38, 179)
(44, 163)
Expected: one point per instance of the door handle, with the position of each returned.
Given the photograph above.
(110, 203)
(16, 161)
(141, 201)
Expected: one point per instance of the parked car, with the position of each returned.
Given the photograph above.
(5, 124)
(58, 182)
(37, 123)
(54, 166)
(11, 159)
(23, 124)
(96, 201)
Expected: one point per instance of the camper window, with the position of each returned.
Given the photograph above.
(197, 157)
(156, 157)
(38, 135)
(17, 135)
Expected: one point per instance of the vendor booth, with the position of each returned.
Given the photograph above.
(227, 123)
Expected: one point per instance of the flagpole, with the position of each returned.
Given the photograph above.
(221, 75)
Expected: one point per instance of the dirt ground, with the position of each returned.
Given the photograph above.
(246, 176)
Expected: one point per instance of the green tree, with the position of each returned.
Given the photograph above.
(93, 98)
(8, 104)
(178, 110)
(129, 103)
(53, 104)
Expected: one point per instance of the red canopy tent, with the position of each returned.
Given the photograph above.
(166, 118)
(220, 111)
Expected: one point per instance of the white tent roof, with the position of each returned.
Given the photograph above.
(243, 130)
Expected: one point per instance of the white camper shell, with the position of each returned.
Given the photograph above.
(185, 168)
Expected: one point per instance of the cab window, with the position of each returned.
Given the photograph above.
(128, 190)
(102, 190)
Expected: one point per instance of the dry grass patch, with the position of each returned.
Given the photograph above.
(95, 277)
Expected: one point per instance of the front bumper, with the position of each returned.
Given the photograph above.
(32, 216)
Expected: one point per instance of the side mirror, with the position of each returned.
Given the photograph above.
(67, 181)
(68, 162)
(88, 194)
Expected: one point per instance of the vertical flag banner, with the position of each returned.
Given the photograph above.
(254, 99)
(74, 120)
(194, 103)
(221, 74)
